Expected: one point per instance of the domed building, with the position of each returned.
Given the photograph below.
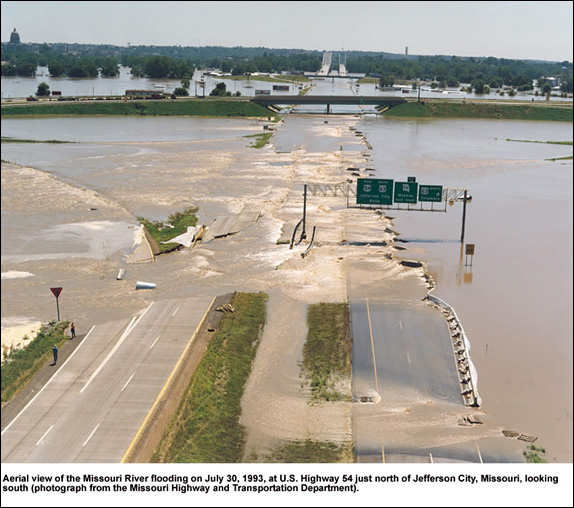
(14, 37)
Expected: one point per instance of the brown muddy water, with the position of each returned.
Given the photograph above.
(73, 223)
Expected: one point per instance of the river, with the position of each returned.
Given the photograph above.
(515, 301)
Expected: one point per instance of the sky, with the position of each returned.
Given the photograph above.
(522, 30)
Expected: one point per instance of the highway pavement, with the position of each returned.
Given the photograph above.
(93, 406)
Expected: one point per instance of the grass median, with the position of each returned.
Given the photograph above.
(327, 351)
(206, 425)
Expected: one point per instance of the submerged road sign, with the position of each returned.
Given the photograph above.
(374, 191)
(430, 193)
(406, 192)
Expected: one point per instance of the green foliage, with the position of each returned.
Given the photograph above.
(188, 107)
(312, 452)
(476, 109)
(22, 364)
(43, 90)
(206, 426)
(181, 92)
(534, 454)
(176, 225)
(327, 351)
(260, 139)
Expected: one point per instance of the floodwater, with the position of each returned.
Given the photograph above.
(20, 87)
(514, 296)
(515, 301)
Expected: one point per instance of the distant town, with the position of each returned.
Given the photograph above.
(482, 74)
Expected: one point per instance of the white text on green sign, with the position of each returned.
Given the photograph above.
(374, 191)
(406, 192)
(430, 193)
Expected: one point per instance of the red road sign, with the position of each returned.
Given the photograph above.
(56, 291)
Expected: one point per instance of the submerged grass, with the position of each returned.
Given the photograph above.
(16, 140)
(260, 139)
(327, 351)
(22, 364)
(206, 425)
(310, 452)
(179, 222)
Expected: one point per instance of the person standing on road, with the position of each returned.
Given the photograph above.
(55, 351)
(73, 330)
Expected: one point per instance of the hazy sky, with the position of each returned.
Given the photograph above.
(518, 30)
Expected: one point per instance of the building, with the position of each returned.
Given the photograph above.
(14, 37)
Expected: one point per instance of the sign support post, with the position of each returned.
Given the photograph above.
(463, 217)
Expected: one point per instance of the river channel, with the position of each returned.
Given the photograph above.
(514, 296)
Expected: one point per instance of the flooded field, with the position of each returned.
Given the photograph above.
(69, 219)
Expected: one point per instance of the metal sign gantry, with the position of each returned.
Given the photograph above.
(348, 189)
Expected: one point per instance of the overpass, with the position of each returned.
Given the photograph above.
(329, 100)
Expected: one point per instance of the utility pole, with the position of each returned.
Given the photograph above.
(303, 233)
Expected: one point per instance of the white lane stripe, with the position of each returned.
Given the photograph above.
(431, 461)
(478, 451)
(128, 381)
(45, 434)
(106, 359)
(130, 327)
(49, 381)
(90, 436)
(408, 358)
(155, 341)
(401, 324)
(175, 311)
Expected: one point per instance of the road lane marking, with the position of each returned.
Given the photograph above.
(408, 358)
(431, 461)
(400, 325)
(478, 451)
(175, 311)
(155, 341)
(45, 434)
(383, 452)
(152, 411)
(49, 381)
(372, 347)
(130, 327)
(90, 436)
(127, 382)
(106, 359)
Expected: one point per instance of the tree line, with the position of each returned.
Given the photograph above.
(180, 63)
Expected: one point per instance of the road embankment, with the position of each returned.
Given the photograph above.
(205, 107)
(484, 110)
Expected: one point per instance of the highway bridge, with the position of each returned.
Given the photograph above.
(328, 100)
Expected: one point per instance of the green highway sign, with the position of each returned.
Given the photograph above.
(374, 191)
(430, 193)
(406, 192)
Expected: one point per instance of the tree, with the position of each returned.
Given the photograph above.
(220, 90)
(56, 68)
(181, 92)
(43, 90)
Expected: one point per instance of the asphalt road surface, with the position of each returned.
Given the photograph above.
(94, 405)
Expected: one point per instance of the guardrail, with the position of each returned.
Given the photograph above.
(467, 374)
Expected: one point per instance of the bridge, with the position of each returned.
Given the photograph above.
(329, 100)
